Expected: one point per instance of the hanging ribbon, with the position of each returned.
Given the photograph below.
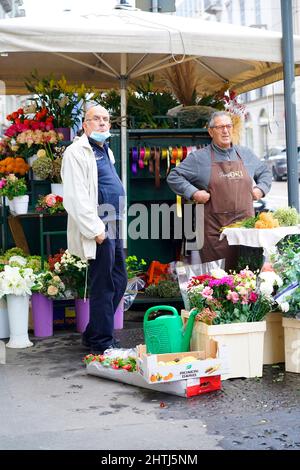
(134, 159)
(141, 159)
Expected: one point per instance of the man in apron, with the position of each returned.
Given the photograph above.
(225, 178)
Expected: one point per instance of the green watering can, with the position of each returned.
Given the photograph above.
(165, 333)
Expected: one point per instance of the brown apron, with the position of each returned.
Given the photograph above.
(231, 199)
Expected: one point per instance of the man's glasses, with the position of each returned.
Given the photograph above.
(98, 119)
(222, 128)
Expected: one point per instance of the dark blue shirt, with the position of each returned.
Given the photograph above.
(110, 187)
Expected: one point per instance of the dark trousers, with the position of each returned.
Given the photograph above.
(108, 280)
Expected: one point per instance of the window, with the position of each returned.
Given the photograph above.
(264, 131)
(242, 12)
(229, 11)
(257, 11)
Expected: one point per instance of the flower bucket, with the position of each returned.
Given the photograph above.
(18, 310)
(4, 325)
(21, 204)
(65, 131)
(42, 315)
(82, 310)
(244, 343)
(291, 344)
(11, 205)
(119, 316)
(57, 189)
(274, 339)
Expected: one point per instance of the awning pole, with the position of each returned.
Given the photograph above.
(290, 102)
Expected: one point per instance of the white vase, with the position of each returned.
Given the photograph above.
(4, 326)
(20, 204)
(32, 159)
(18, 311)
(57, 189)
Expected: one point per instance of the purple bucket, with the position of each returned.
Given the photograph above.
(65, 131)
(119, 316)
(42, 315)
(82, 309)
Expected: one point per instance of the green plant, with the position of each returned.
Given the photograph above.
(134, 266)
(163, 289)
(287, 216)
(146, 106)
(63, 101)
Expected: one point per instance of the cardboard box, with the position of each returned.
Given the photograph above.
(164, 368)
(183, 388)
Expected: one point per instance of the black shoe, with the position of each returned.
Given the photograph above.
(85, 343)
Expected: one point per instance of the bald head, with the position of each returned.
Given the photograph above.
(96, 119)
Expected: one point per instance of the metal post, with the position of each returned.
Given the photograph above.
(154, 6)
(290, 102)
(124, 143)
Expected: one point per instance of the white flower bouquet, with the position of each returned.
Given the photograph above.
(16, 280)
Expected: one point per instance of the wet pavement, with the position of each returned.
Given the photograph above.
(49, 402)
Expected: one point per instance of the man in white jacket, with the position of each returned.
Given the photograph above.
(94, 199)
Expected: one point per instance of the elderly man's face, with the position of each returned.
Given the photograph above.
(96, 119)
(221, 132)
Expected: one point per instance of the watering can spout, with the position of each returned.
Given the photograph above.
(187, 333)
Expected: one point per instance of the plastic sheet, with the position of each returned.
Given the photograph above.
(133, 286)
(186, 271)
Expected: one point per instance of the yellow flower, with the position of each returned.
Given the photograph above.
(41, 153)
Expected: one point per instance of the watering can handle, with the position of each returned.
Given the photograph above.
(160, 307)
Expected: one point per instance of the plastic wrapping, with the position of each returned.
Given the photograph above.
(186, 271)
(133, 286)
(120, 353)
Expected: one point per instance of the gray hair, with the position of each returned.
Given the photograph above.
(212, 118)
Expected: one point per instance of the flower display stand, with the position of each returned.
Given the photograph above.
(244, 343)
(291, 344)
(82, 310)
(4, 326)
(274, 339)
(18, 309)
(42, 315)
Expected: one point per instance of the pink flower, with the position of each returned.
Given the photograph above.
(2, 183)
(233, 297)
(50, 200)
(253, 297)
(207, 293)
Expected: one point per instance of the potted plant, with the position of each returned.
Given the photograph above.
(48, 165)
(16, 284)
(15, 190)
(231, 309)
(73, 272)
(47, 287)
(50, 204)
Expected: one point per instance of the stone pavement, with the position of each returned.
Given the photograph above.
(49, 402)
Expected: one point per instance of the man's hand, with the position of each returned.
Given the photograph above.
(201, 197)
(257, 194)
(100, 238)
